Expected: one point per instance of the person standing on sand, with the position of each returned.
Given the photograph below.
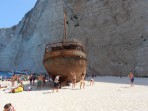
(33, 78)
(131, 76)
(92, 81)
(44, 80)
(82, 81)
(73, 80)
(30, 79)
(39, 82)
(13, 78)
(56, 83)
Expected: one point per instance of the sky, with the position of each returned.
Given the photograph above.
(12, 11)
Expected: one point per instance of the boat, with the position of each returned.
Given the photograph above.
(65, 57)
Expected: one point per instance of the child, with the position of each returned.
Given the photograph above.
(92, 82)
(29, 88)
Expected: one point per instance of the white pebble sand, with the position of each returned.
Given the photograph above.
(108, 94)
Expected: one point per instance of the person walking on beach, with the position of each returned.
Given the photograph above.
(82, 81)
(56, 83)
(131, 76)
(73, 80)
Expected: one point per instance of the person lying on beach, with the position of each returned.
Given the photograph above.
(9, 107)
(92, 82)
(82, 81)
(17, 89)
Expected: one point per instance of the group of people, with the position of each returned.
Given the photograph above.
(73, 81)
(41, 79)
(56, 84)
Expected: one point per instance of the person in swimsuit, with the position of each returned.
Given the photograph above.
(82, 81)
(92, 82)
(13, 78)
(131, 76)
(73, 80)
(19, 88)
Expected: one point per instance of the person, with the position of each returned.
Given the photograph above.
(33, 78)
(39, 82)
(13, 78)
(73, 80)
(44, 80)
(82, 81)
(3, 86)
(19, 88)
(8, 107)
(18, 79)
(29, 88)
(56, 83)
(131, 76)
(25, 77)
(92, 82)
(30, 79)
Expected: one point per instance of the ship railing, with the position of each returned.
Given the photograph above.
(64, 46)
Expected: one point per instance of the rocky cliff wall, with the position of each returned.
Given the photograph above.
(115, 34)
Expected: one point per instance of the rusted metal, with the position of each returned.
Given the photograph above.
(65, 62)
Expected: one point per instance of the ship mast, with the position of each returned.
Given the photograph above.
(65, 30)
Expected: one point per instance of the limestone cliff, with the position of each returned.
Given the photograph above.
(115, 33)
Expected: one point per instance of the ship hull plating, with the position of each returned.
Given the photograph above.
(65, 62)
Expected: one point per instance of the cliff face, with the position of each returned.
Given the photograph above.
(115, 33)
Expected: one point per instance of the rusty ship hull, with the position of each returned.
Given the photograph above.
(65, 62)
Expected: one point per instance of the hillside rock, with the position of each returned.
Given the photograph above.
(114, 32)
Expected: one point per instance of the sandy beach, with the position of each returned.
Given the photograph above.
(108, 94)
